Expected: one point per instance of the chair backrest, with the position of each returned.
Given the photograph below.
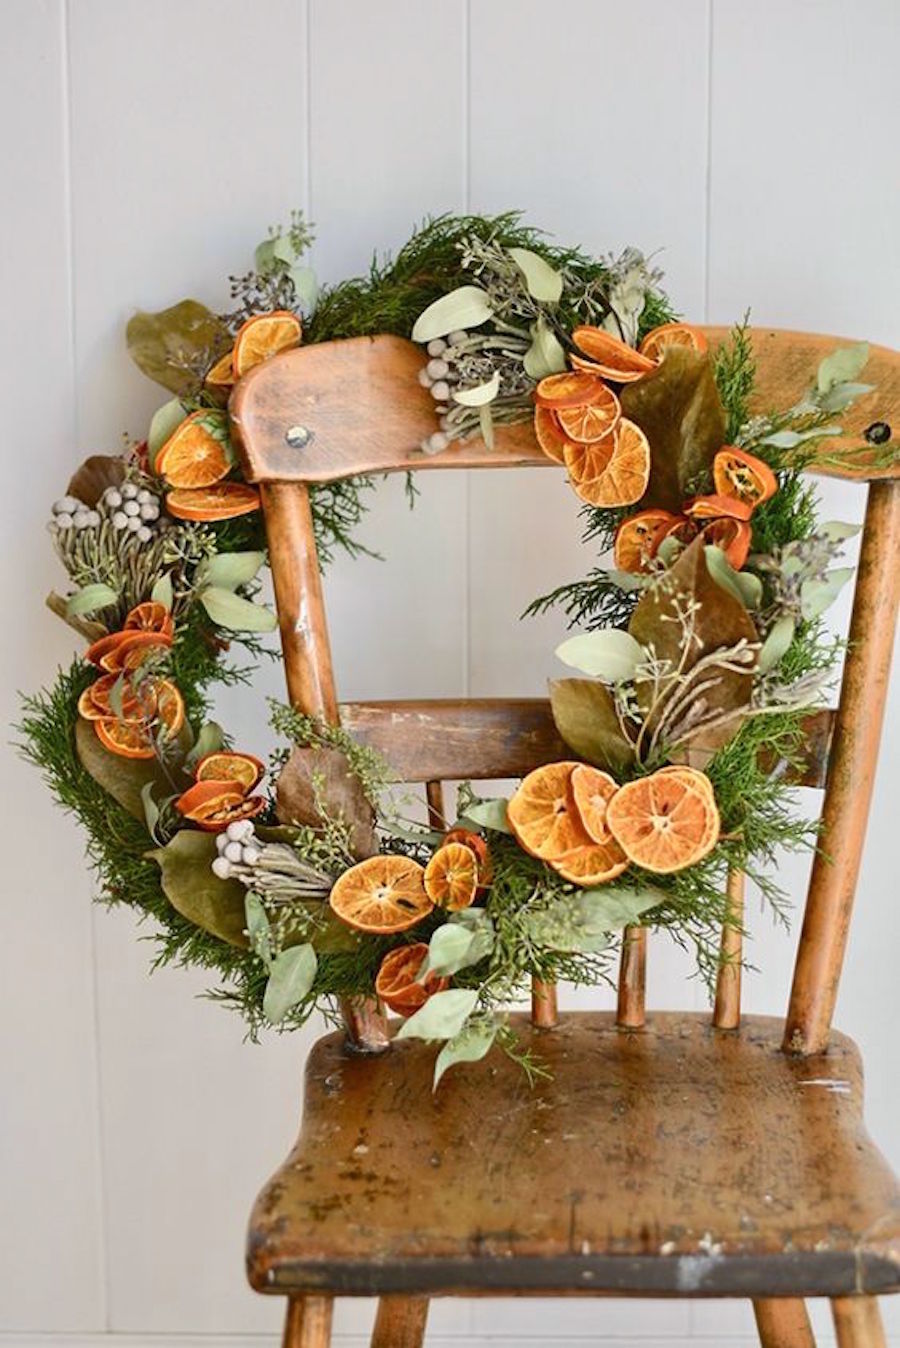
(351, 407)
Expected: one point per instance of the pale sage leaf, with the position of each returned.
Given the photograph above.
(777, 643)
(465, 307)
(151, 809)
(442, 1016)
(545, 355)
(163, 424)
(842, 366)
(489, 814)
(162, 592)
(544, 283)
(291, 977)
(818, 595)
(237, 614)
(210, 740)
(480, 394)
(471, 1045)
(230, 569)
(90, 599)
(612, 655)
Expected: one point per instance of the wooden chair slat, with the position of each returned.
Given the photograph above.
(492, 738)
(631, 1012)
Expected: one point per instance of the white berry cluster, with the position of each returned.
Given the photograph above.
(439, 375)
(236, 847)
(128, 508)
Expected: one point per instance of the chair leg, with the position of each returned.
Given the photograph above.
(857, 1322)
(307, 1323)
(783, 1323)
(400, 1322)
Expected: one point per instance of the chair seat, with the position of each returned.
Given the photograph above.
(674, 1159)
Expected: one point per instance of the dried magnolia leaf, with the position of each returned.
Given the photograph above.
(679, 410)
(90, 481)
(125, 778)
(315, 783)
(177, 346)
(191, 887)
(585, 716)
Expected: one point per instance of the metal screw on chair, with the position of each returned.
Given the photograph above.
(298, 436)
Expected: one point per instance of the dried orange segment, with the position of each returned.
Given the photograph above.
(169, 705)
(265, 335)
(542, 813)
(672, 334)
(395, 982)
(743, 476)
(592, 790)
(591, 421)
(95, 702)
(226, 766)
(451, 876)
(572, 388)
(717, 506)
(151, 616)
(593, 864)
(128, 741)
(732, 536)
(102, 647)
(230, 812)
(205, 799)
(194, 456)
(132, 649)
(664, 822)
(221, 376)
(382, 894)
(220, 502)
(480, 848)
(611, 477)
(548, 434)
(638, 538)
(609, 356)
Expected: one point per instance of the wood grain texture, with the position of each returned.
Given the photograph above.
(857, 1322)
(484, 738)
(673, 1160)
(631, 1011)
(358, 407)
(307, 1322)
(783, 1324)
(851, 775)
(400, 1322)
(727, 1008)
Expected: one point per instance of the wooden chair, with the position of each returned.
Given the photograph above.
(679, 1155)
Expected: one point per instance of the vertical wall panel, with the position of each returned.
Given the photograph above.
(51, 1240)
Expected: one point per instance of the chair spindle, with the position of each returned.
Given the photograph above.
(727, 1010)
(630, 1009)
(437, 814)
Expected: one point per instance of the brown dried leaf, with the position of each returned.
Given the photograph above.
(176, 346)
(89, 482)
(585, 717)
(323, 777)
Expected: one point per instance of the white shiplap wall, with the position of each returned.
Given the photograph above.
(146, 146)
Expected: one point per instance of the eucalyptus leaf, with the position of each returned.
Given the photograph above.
(259, 932)
(620, 906)
(585, 716)
(264, 257)
(176, 346)
(459, 944)
(306, 287)
(230, 569)
(777, 643)
(465, 307)
(237, 614)
(480, 394)
(612, 655)
(471, 1045)
(90, 599)
(837, 531)
(210, 739)
(215, 905)
(284, 250)
(818, 595)
(791, 439)
(162, 592)
(742, 584)
(842, 366)
(291, 977)
(163, 425)
(151, 809)
(567, 925)
(544, 282)
(545, 355)
(841, 396)
(442, 1016)
(489, 814)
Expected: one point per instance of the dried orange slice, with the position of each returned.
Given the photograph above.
(230, 811)
(221, 376)
(132, 649)
(265, 335)
(744, 476)
(102, 647)
(542, 813)
(732, 536)
(672, 334)
(395, 982)
(220, 502)
(128, 741)
(573, 388)
(613, 472)
(169, 705)
(151, 616)
(638, 537)
(592, 790)
(609, 357)
(548, 434)
(451, 876)
(193, 456)
(664, 822)
(593, 864)
(717, 506)
(592, 421)
(382, 894)
(94, 703)
(226, 766)
(204, 800)
(481, 850)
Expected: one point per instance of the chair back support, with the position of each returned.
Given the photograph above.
(338, 409)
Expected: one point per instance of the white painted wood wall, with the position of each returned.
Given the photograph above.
(146, 146)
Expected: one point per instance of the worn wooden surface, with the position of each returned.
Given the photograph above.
(675, 1159)
(400, 1322)
(483, 738)
(307, 1322)
(851, 775)
(783, 1323)
(357, 407)
(857, 1322)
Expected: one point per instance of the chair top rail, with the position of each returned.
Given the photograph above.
(336, 409)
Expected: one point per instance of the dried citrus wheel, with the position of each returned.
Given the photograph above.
(395, 982)
(664, 822)
(193, 456)
(592, 790)
(265, 335)
(638, 537)
(593, 864)
(220, 502)
(381, 894)
(226, 766)
(480, 848)
(99, 649)
(698, 781)
(128, 741)
(169, 705)
(614, 471)
(716, 507)
(451, 876)
(548, 434)
(607, 356)
(593, 420)
(743, 476)
(573, 388)
(151, 616)
(542, 813)
(732, 536)
(222, 373)
(95, 705)
(671, 334)
(132, 649)
(230, 812)
(204, 799)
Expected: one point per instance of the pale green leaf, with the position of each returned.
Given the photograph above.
(195, 891)
(841, 396)
(480, 394)
(544, 282)
(582, 923)
(259, 931)
(90, 599)
(291, 978)
(837, 531)
(209, 741)
(471, 1045)
(230, 569)
(818, 595)
(791, 439)
(442, 1016)
(489, 814)
(264, 256)
(151, 809)
(284, 250)
(162, 592)
(306, 287)
(842, 366)
(459, 943)
(545, 355)
(743, 585)
(238, 615)
(777, 643)
(611, 655)
(620, 906)
(465, 307)
(163, 424)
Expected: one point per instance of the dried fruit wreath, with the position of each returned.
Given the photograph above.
(699, 647)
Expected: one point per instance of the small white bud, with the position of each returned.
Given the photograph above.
(437, 442)
(442, 408)
(119, 520)
(94, 519)
(440, 391)
(436, 347)
(437, 369)
(458, 336)
(131, 508)
(240, 830)
(222, 868)
(129, 491)
(251, 855)
(67, 505)
(81, 519)
(221, 842)
(113, 497)
(144, 534)
(134, 523)
(143, 496)
(149, 511)
(63, 520)
(233, 851)
(424, 378)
